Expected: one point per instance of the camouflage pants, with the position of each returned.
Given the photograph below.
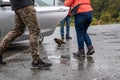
(25, 17)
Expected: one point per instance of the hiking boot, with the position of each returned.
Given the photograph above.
(40, 64)
(1, 60)
(80, 53)
(90, 50)
(68, 38)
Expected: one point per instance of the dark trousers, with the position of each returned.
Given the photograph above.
(82, 22)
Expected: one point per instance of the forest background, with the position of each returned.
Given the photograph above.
(104, 12)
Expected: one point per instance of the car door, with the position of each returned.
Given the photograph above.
(49, 14)
(6, 20)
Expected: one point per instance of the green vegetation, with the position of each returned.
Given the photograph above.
(106, 11)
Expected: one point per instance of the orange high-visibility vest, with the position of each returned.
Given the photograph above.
(84, 7)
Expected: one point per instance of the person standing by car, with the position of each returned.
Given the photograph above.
(83, 18)
(25, 16)
(62, 23)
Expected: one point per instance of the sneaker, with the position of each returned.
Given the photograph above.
(68, 38)
(40, 64)
(80, 53)
(1, 61)
(90, 50)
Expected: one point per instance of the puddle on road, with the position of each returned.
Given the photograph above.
(67, 60)
(114, 42)
(62, 59)
(109, 34)
(93, 34)
(117, 49)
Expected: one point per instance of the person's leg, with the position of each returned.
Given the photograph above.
(88, 42)
(79, 27)
(12, 35)
(28, 15)
(68, 27)
(62, 28)
(86, 36)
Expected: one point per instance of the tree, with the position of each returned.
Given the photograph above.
(106, 8)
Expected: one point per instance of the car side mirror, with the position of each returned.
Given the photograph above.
(4, 3)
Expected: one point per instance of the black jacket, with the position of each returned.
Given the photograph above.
(17, 4)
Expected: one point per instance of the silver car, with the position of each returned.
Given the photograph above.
(49, 14)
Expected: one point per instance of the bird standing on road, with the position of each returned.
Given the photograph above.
(59, 41)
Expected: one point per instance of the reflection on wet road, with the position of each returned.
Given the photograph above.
(103, 65)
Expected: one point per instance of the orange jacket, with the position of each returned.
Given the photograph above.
(85, 7)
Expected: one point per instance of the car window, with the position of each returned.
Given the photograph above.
(50, 2)
(60, 2)
(45, 2)
(4, 1)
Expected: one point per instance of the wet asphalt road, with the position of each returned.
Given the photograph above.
(103, 65)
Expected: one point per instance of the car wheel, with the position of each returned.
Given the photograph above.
(41, 39)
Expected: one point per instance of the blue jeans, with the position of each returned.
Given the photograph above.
(62, 23)
(82, 22)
